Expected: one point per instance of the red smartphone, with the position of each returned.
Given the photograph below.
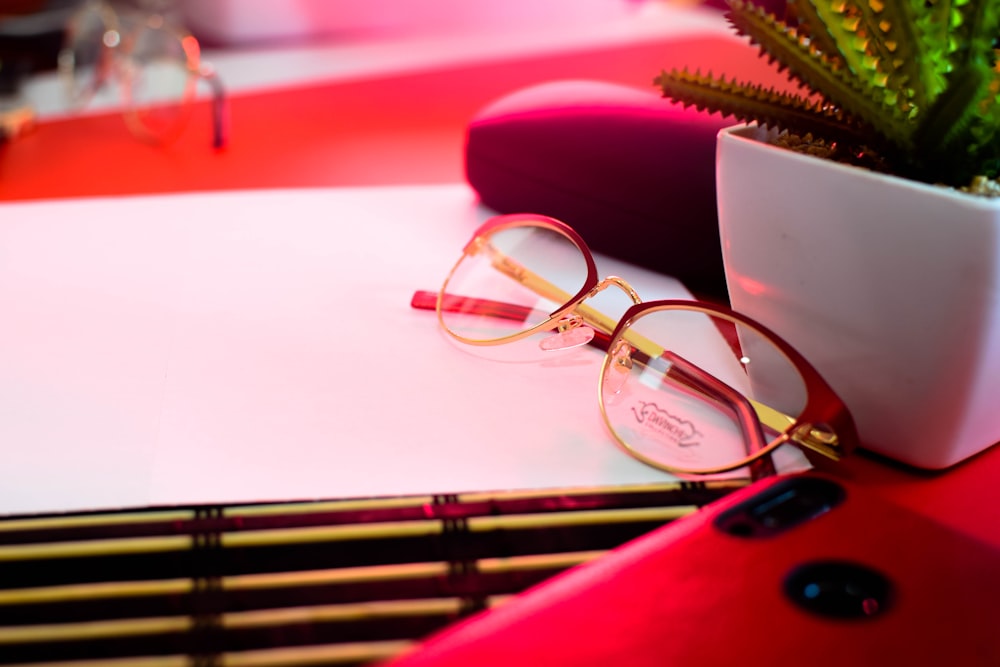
(805, 569)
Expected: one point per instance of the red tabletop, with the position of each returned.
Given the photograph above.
(392, 129)
(409, 129)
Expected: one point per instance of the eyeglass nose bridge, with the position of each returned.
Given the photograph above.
(620, 283)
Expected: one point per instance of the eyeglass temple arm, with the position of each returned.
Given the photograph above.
(453, 303)
(819, 440)
(220, 106)
(816, 439)
(543, 288)
(696, 379)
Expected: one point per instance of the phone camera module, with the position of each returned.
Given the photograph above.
(837, 589)
(782, 506)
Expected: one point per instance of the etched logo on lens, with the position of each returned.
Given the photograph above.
(662, 422)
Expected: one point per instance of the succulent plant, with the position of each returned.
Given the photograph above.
(913, 81)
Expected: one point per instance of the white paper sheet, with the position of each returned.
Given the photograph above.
(258, 346)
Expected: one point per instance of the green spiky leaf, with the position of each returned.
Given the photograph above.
(748, 102)
(860, 96)
(917, 79)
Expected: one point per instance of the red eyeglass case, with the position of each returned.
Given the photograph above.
(706, 590)
(632, 172)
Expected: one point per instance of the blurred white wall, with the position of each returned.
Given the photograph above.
(239, 22)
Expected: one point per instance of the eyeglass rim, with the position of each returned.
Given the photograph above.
(823, 407)
(513, 221)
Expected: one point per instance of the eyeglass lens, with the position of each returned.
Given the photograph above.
(679, 387)
(512, 283)
(155, 64)
(498, 272)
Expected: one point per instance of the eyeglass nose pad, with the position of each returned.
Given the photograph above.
(570, 332)
(619, 368)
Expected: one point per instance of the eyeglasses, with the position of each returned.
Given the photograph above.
(157, 64)
(687, 387)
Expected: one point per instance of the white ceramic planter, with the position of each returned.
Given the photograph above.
(890, 288)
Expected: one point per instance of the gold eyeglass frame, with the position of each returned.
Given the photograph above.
(824, 425)
(116, 46)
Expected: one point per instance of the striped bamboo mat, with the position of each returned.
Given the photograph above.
(340, 582)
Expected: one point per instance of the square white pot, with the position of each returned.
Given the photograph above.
(891, 288)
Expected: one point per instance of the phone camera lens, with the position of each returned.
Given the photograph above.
(839, 589)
